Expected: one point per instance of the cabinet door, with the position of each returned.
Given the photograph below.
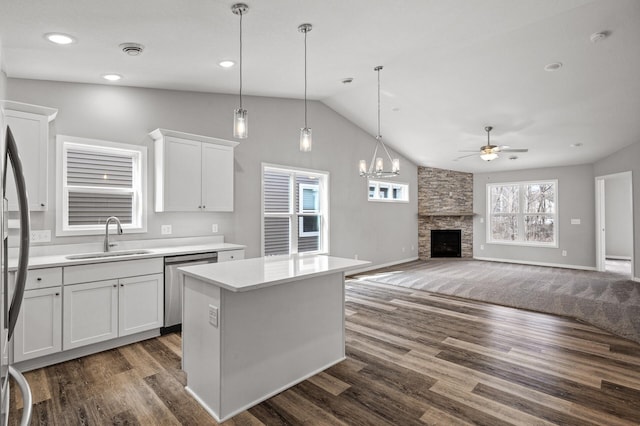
(182, 175)
(31, 132)
(90, 313)
(217, 178)
(141, 304)
(38, 331)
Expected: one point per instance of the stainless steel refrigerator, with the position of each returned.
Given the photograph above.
(12, 297)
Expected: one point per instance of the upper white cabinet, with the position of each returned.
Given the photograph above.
(193, 172)
(30, 127)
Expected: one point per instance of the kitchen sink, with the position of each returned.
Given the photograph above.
(101, 255)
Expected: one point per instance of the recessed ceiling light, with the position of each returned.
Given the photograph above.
(112, 77)
(59, 38)
(576, 145)
(554, 66)
(132, 49)
(513, 157)
(395, 109)
(347, 80)
(226, 64)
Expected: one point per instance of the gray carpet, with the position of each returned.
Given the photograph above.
(608, 300)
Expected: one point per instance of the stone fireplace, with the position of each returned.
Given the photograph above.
(445, 203)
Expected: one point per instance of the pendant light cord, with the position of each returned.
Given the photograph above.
(379, 135)
(305, 79)
(241, 59)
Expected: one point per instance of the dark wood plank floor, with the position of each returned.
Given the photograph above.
(413, 358)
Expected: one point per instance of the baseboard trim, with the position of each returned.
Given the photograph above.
(618, 257)
(526, 262)
(380, 266)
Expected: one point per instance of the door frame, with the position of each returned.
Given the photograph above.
(600, 219)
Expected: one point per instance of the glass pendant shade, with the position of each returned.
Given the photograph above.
(363, 167)
(395, 165)
(305, 139)
(489, 156)
(240, 123)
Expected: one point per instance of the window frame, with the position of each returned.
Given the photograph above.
(139, 190)
(520, 215)
(391, 186)
(296, 212)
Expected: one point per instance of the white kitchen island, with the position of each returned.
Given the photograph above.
(255, 327)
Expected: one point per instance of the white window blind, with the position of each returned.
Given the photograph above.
(99, 179)
(86, 169)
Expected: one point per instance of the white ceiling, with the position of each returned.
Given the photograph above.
(451, 67)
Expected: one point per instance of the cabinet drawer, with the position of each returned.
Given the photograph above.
(110, 270)
(43, 278)
(225, 256)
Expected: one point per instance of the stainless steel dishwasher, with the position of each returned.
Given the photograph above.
(173, 286)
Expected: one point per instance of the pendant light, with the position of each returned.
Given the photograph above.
(305, 132)
(376, 167)
(240, 118)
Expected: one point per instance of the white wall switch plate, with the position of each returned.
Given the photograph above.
(213, 315)
(481, 246)
(40, 236)
(575, 221)
(165, 229)
(214, 228)
(482, 220)
(564, 252)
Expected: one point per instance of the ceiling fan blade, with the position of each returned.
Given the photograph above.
(469, 150)
(515, 150)
(465, 156)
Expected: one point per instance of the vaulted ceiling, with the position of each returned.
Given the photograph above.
(451, 67)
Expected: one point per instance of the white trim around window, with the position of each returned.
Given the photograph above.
(132, 187)
(517, 214)
(387, 192)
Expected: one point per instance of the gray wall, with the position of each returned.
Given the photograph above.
(576, 199)
(380, 232)
(618, 217)
(627, 159)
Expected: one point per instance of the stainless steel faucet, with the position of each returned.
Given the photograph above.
(107, 246)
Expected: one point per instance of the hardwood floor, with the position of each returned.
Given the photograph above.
(413, 358)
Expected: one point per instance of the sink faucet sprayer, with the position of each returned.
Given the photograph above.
(107, 246)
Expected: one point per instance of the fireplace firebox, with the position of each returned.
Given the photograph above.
(446, 243)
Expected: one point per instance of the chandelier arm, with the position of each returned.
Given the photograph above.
(385, 150)
(373, 159)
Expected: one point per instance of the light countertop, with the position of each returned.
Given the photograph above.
(259, 272)
(45, 257)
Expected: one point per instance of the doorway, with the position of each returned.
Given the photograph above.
(614, 223)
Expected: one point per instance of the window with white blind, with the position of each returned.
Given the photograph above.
(99, 179)
(294, 211)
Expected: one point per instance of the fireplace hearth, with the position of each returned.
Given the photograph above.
(446, 243)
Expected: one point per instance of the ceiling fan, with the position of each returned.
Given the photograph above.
(490, 152)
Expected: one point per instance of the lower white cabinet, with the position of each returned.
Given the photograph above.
(103, 310)
(140, 304)
(38, 330)
(90, 313)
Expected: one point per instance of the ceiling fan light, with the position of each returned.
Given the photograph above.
(488, 156)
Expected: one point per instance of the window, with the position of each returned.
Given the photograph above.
(388, 191)
(524, 213)
(294, 211)
(98, 179)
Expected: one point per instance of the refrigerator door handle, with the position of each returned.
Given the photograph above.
(25, 229)
(25, 390)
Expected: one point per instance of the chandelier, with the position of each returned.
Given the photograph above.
(376, 167)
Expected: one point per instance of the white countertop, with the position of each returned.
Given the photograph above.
(50, 257)
(259, 272)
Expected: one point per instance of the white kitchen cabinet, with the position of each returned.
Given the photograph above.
(140, 304)
(90, 313)
(192, 172)
(30, 127)
(227, 255)
(104, 301)
(38, 330)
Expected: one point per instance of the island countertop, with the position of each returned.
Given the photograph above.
(260, 272)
